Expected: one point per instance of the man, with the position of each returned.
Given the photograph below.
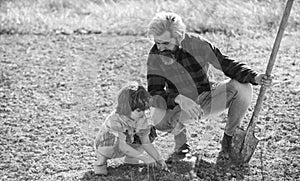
(178, 79)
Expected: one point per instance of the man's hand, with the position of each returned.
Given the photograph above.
(263, 80)
(189, 106)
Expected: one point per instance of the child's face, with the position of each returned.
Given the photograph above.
(137, 114)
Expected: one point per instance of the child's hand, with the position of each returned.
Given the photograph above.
(162, 164)
(150, 161)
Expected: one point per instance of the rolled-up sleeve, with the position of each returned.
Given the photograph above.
(234, 69)
(117, 128)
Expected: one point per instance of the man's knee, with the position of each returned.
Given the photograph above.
(242, 90)
(165, 120)
(157, 116)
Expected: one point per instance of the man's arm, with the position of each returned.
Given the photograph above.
(161, 98)
(157, 84)
(233, 69)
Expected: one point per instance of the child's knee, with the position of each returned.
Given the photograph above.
(100, 169)
(101, 159)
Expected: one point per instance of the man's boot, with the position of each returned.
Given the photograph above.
(226, 145)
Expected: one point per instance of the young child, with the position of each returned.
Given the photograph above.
(126, 132)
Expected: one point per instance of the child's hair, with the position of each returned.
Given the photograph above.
(132, 97)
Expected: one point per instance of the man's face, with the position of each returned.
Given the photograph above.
(165, 42)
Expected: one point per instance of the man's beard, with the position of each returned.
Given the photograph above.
(168, 56)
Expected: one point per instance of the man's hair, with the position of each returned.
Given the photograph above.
(167, 21)
(130, 98)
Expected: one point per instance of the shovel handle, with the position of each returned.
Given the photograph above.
(271, 62)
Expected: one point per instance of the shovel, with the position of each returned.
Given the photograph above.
(245, 142)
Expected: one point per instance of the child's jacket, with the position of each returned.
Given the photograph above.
(120, 128)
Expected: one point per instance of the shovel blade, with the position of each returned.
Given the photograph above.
(243, 146)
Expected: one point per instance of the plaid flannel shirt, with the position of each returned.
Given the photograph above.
(187, 72)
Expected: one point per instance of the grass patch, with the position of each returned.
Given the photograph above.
(131, 17)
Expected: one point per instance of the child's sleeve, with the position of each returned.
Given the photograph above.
(117, 128)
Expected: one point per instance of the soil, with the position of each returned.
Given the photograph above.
(55, 90)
